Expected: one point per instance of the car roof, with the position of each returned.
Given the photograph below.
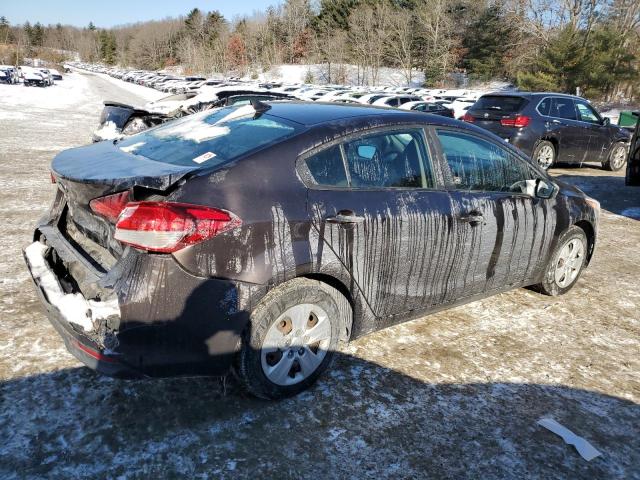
(316, 113)
(528, 94)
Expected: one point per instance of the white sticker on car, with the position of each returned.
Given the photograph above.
(204, 157)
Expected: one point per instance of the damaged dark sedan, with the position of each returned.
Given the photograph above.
(259, 237)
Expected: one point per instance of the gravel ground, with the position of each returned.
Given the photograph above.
(454, 395)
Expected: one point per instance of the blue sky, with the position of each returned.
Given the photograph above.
(107, 13)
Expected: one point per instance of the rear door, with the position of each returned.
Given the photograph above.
(376, 203)
(506, 229)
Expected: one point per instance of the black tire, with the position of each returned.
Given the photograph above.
(542, 149)
(613, 164)
(248, 362)
(549, 285)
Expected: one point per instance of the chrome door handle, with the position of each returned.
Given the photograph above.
(472, 218)
(345, 218)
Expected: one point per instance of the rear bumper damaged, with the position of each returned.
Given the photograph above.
(147, 316)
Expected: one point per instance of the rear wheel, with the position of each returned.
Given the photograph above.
(566, 264)
(294, 332)
(617, 157)
(544, 154)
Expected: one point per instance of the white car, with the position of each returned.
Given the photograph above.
(460, 106)
(396, 100)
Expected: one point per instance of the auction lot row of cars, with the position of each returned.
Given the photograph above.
(252, 231)
(29, 76)
(550, 128)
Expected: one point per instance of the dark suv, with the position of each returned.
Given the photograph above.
(552, 127)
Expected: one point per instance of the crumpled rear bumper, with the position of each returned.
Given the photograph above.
(66, 312)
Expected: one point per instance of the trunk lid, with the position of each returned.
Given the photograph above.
(94, 171)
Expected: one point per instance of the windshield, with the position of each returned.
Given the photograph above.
(209, 138)
(500, 103)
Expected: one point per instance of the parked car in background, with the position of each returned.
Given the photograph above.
(33, 77)
(261, 236)
(428, 107)
(395, 100)
(9, 74)
(55, 74)
(46, 74)
(119, 120)
(552, 127)
(632, 177)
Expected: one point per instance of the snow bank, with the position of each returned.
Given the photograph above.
(63, 94)
(298, 74)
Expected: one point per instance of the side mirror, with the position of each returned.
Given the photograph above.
(544, 188)
(606, 121)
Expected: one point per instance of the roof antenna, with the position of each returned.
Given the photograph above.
(258, 106)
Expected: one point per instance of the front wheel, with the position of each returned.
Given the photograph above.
(566, 264)
(293, 334)
(544, 154)
(617, 157)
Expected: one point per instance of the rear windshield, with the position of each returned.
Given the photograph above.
(209, 138)
(500, 103)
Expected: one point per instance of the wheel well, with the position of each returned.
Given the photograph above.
(590, 233)
(333, 282)
(554, 142)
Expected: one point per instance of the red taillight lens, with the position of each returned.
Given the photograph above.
(167, 227)
(53, 177)
(468, 118)
(517, 122)
(110, 206)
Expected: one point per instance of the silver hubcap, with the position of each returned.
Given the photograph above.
(618, 157)
(569, 262)
(296, 344)
(545, 156)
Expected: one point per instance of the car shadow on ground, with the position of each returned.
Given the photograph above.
(362, 420)
(606, 187)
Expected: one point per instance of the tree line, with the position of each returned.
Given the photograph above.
(560, 45)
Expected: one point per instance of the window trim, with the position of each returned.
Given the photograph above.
(433, 163)
(558, 118)
(449, 175)
(575, 104)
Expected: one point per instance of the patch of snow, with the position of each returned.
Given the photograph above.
(132, 148)
(109, 131)
(72, 306)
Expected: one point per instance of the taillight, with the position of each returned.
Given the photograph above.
(167, 227)
(468, 118)
(53, 177)
(517, 122)
(110, 206)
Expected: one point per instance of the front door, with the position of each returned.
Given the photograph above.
(573, 137)
(509, 228)
(599, 138)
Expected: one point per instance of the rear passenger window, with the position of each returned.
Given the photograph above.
(563, 108)
(397, 159)
(477, 164)
(544, 107)
(327, 168)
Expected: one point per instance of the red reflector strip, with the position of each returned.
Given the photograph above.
(93, 353)
(110, 206)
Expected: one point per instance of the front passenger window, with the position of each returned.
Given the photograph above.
(586, 113)
(480, 165)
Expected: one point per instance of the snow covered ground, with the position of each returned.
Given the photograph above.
(454, 395)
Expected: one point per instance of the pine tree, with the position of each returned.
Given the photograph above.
(486, 43)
